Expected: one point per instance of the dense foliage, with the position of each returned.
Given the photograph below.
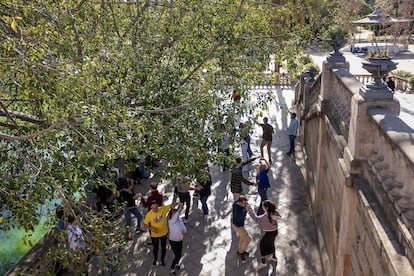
(84, 82)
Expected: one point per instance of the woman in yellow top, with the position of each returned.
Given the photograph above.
(156, 222)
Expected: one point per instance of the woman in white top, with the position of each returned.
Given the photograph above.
(176, 233)
(76, 240)
(76, 237)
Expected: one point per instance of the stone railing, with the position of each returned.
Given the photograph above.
(269, 80)
(364, 79)
(307, 93)
(313, 93)
(391, 172)
(401, 84)
(359, 159)
(341, 101)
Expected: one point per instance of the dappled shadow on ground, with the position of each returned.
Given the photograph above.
(210, 245)
(296, 243)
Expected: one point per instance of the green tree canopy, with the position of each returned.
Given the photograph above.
(86, 81)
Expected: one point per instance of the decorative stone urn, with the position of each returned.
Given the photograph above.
(379, 67)
(336, 44)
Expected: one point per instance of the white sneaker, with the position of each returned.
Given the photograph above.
(271, 259)
(261, 266)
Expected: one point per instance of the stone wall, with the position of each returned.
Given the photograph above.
(375, 248)
(360, 170)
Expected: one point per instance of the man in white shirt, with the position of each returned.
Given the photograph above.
(292, 132)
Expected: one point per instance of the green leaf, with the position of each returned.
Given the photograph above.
(13, 25)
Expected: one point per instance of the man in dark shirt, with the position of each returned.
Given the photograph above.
(391, 84)
(128, 196)
(203, 185)
(237, 177)
(239, 216)
(267, 138)
(153, 195)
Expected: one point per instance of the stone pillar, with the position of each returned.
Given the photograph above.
(308, 79)
(335, 60)
(374, 94)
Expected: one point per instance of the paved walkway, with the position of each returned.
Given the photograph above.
(405, 60)
(210, 245)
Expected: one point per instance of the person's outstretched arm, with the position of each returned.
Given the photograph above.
(249, 161)
(267, 163)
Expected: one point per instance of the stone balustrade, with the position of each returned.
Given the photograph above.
(311, 95)
(392, 161)
(341, 102)
(364, 79)
(401, 84)
(359, 158)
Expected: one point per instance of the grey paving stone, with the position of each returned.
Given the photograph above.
(210, 245)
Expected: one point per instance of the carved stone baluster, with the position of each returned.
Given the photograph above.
(403, 204)
(394, 193)
(373, 159)
(388, 180)
(380, 168)
(408, 217)
(387, 184)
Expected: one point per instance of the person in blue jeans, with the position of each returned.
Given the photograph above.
(203, 185)
(128, 196)
(263, 183)
(292, 132)
(244, 132)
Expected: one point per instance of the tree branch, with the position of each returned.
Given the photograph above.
(9, 126)
(14, 114)
(166, 110)
(56, 125)
(214, 48)
(171, 109)
(3, 59)
(7, 114)
(135, 18)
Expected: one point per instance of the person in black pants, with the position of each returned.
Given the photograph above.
(183, 189)
(176, 233)
(203, 186)
(156, 221)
